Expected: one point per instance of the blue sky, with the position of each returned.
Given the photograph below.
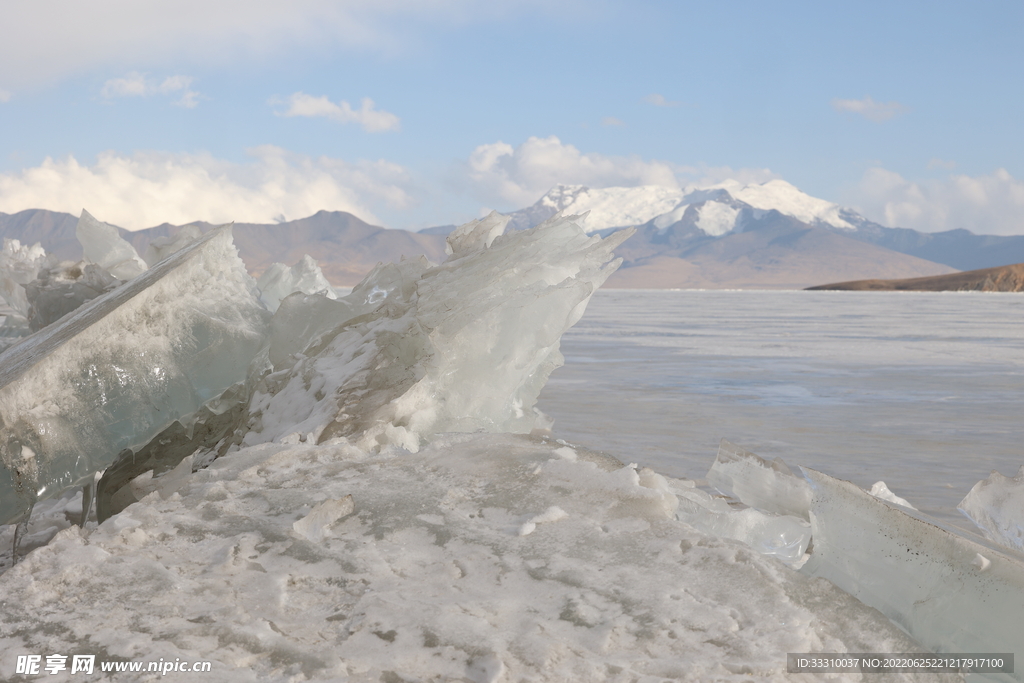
(412, 114)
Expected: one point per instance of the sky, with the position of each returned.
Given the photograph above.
(418, 113)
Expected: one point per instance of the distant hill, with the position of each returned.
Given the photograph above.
(346, 247)
(773, 251)
(1001, 279)
(766, 235)
(718, 211)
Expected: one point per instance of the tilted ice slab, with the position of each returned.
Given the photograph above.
(417, 349)
(783, 536)
(759, 483)
(104, 246)
(305, 276)
(950, 592)
(996, 505)
(122, 368)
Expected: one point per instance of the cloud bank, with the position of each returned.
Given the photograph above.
(372, 120)
(990, 204)
(60, 38)
(146, 189)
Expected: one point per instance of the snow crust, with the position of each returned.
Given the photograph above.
(787, 199)
(717, 219)
(428, 577)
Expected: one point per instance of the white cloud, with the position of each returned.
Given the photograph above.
(136, 84)
(991, 204)
(515, 177)
(869, 109)
(59, 38)
(659, 101)
(518, 176)
(372, 120)
(4, 96)
(147, 189)
(612, 121)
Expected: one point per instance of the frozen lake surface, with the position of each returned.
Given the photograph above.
(921, 390)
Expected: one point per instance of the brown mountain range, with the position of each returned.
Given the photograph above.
(1001, 279)
(772, 252)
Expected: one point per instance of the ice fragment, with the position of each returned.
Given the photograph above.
(305, 276)
(316, 525)
(415, 350)
(881, 491)
(754, 481)
(123, 367)
(996, 506)
(103, 246)
(917, 572)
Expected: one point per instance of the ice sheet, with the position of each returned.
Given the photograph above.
(122, 368)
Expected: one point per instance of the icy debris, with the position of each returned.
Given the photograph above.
(996, 506)
(316, 525)
(754, 481)
(19, 265)
(417, 349)
(881, 491)
(783, 536)
(123, 367)
(552, 514)
(165, 485)
(162, 247)
(104, 246)
(305, 276)
(925, 577)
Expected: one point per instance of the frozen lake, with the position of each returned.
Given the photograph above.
(921, 390)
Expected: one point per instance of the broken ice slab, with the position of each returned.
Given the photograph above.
(782, 536)
(416, 350)
(122, 368)
(759, 483)
(996, 506)
(305, 276)
(104, 246)
(950, 592)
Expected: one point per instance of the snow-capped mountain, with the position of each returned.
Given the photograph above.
(715, 210)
